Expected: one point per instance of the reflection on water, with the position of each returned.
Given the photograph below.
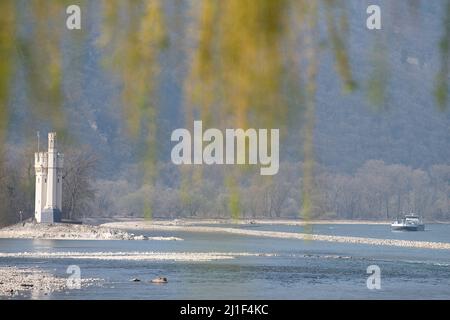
(299, 270)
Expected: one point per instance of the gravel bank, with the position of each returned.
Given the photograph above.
(135, 256)
(291, 222)
(148, 225)
(63, 231)
(16, 281)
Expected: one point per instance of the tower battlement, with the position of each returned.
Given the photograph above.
(40, 159)
(51, 141)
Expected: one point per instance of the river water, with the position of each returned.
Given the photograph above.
(279, 268)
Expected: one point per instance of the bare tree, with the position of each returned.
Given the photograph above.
(78, 192)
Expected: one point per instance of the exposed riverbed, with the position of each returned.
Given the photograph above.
(62, 231)
(212, 264)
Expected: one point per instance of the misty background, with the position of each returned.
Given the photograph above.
(380, 150)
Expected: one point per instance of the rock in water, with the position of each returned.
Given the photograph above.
(135, 280)
(159, 280)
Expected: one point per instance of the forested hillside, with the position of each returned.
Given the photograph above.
(380, 150)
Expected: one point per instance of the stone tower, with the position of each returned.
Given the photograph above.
(48, 199)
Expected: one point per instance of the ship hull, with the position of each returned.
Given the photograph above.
(408, 228)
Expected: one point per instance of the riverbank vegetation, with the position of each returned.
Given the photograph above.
(376, 191)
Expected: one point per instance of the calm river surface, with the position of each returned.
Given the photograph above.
(297, 269)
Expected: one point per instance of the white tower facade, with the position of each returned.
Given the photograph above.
(48, 166)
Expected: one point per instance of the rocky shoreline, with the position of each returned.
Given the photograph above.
(149, 225)
(201, 221)
(16, 282)
(133, 255)
(63, 231)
